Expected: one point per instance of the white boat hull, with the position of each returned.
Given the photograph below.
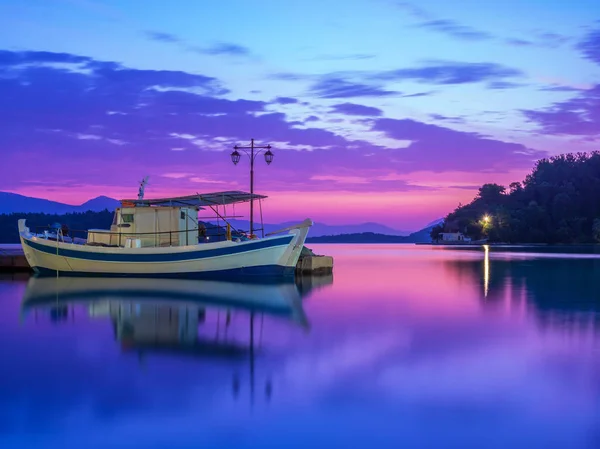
(273, 256)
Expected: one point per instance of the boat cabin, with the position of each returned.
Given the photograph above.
(164, 222)
(149, 226)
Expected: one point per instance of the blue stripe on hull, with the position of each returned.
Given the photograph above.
(161, 257)
(264, 271)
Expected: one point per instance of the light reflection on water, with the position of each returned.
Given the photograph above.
(407, 346)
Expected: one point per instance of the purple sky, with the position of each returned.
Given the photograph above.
(376, 110)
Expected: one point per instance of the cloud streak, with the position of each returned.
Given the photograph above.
(350, 57)
(578, 116)
(356, 109)
(590, 46)
(285, 100)
(223, 48)
(448, 72)
(414, 10)
(519, 42)
(456, 30)
(337, 87)
(462, 32)
(216, 49)
(355, 84)
(162, 37)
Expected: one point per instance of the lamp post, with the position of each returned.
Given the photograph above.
(235, 158)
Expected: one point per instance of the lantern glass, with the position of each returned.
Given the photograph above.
(235, 157)
(269, 157)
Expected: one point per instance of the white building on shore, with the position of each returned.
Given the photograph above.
(453, 237)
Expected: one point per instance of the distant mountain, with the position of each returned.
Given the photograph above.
(434, 223)
(15, 203)
(99, 203)
(320, 229)
(421, 236)
(362, 237)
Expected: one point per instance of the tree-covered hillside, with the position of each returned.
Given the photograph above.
(75, 221)
(558, 202)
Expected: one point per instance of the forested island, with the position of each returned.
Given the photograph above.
(557, 203)
(421, 236)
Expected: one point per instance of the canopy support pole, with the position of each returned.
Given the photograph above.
(262, 225)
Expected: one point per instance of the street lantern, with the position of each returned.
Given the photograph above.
(269, 157)
(235, 157)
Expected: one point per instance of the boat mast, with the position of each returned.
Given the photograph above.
(143, 183)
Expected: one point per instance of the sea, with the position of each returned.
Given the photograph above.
(403, 346)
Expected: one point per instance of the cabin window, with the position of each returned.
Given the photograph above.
(127, 218)
(182, 215)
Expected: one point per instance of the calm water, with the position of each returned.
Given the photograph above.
(406, 346)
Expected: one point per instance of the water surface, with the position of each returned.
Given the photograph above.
(405, 346)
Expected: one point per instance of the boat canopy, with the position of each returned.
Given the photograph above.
(199, 200)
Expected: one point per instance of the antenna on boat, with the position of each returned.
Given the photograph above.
(143, 183)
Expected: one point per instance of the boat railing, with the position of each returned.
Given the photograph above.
(123, 239)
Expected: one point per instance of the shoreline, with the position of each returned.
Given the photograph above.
(552, 245)
(506, 245)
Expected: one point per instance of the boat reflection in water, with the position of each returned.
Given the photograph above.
(177, 316)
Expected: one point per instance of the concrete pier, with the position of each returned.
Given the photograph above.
(12, 259)
(311, 263)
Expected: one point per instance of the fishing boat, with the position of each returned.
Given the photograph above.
(163, 237)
